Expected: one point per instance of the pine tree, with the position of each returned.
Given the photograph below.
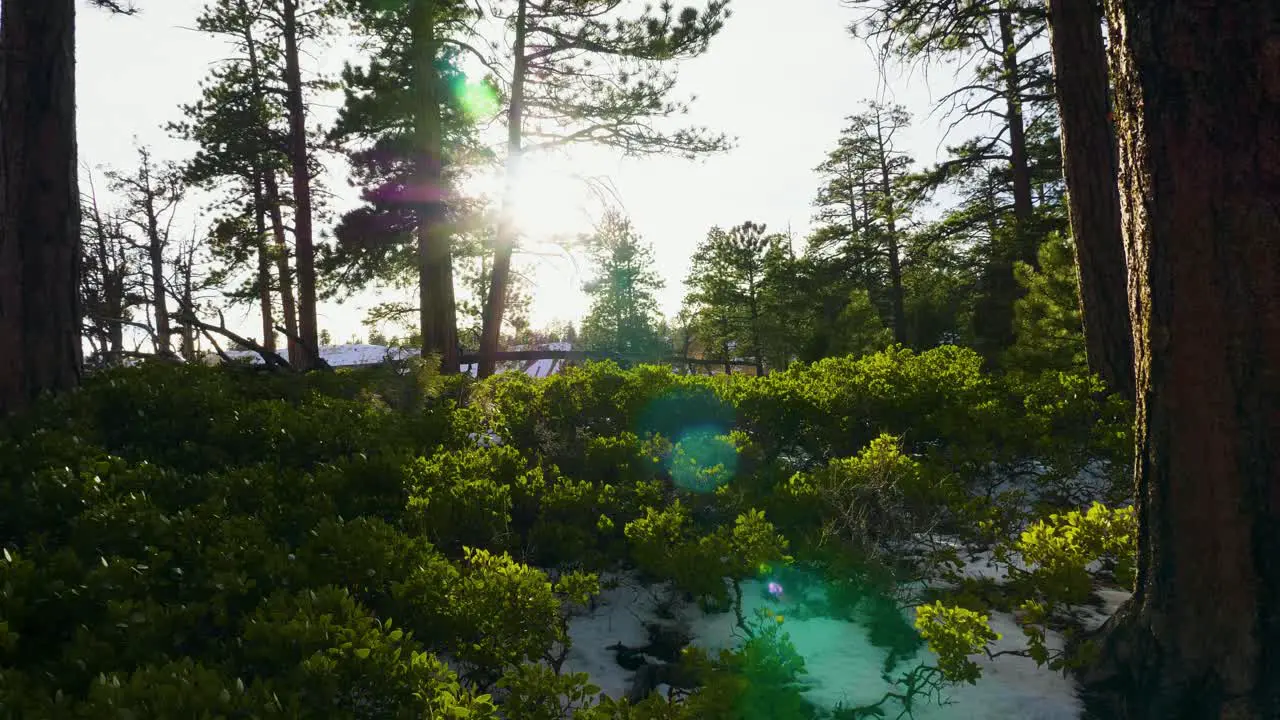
(1047, 317)
(624, 314)
(865, 204)
(411, 138)
(1197, 113)
(40, 313)
(728, 296)
(583, 74)
(1008, 174)
(152, 193)
(110, 279)
(242, 127)
(1089, 164)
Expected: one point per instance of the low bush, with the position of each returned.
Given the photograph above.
(199, 542)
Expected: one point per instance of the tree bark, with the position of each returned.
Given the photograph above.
(1023, 207)
(288, 304)
(496, 305)
(896, 295)
(1198, 107)
(188, 304)
(155, 256)
(271, 190)
(1088, 155)
(309, 356)
(40, 347)
(264, 266)
(437, 309)
(993, 322)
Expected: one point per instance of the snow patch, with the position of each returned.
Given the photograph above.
(842, 664)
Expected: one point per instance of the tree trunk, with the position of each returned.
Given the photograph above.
(1023, 209)
(1088, 156)
(264, 267)
(993, 321)
(754, 309)
(155, 256)
(897, 302)
(304, 247)
(437, 308)
(496, 305)
(188, 303)
(39, 202)
(288, 305)
(271, 189)
(1198, 104)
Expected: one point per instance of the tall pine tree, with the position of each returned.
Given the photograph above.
(624, 314)
(583, 73)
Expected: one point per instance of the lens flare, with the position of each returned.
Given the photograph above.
(478, 98)
(703, 460)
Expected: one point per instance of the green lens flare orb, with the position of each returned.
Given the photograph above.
(703, 460)
(478, 99)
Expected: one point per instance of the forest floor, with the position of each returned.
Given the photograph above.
(843, 667)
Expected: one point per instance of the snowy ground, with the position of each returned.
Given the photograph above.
(363, 354)
(842, 664)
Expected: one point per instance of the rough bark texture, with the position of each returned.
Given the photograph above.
(309, 356)
(1088, 154)
(39, 202)
(437, 308)
(1198, 112)
(495, 307)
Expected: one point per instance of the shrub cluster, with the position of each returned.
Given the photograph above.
(195, 542)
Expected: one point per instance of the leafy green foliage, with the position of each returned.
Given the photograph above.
(1047, 321)
(283, 545)
(955, 633)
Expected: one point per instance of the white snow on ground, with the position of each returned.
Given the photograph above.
(842, 665)
(618, 618)
(1112, 599)
(340, 355)
(363, 354)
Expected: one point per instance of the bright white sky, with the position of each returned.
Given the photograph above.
(781, 78)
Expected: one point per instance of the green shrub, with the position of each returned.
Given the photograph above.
(190, 542)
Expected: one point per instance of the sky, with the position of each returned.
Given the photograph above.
(780, 78)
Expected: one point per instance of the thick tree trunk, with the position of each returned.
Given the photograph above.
(1198, 106)
(437, 309)
(308, 357)
(1088, 155)
(39, 202)
(496, 304)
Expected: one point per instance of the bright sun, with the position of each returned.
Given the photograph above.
(550, 200)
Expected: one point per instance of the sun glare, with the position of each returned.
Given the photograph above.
(549, 201)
